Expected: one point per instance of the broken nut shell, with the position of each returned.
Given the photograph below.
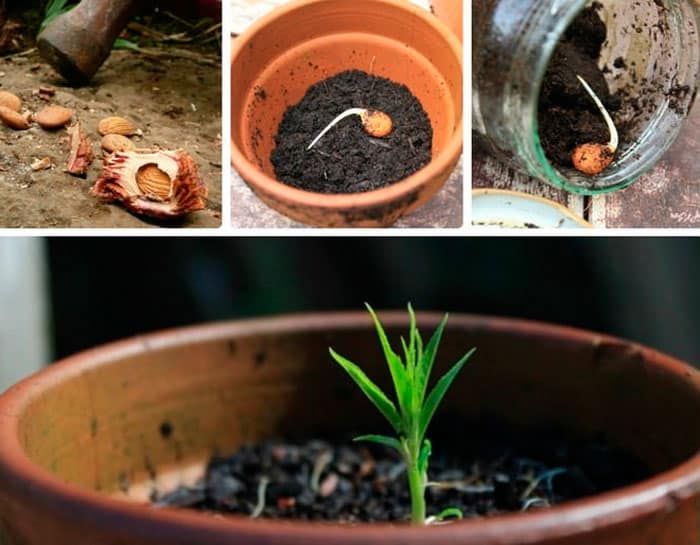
(376, 123)
(116, 125)
(592, 159)
(11, 101)
(161, 184)
(14, 119)
(54, 117)
(81, 152)
(42, 164)
(116, 142)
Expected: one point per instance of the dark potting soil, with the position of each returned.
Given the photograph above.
(347, 159)
(355, 482)
(568, 116)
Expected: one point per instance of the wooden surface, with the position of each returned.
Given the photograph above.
(666, 197)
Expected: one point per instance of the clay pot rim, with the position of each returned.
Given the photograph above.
(443, 162)
(623, 505)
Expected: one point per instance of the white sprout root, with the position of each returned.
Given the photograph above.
(614, 137)
(592, 158)
(262, 489)
(323, 460)
(375, 123)
(436, 521)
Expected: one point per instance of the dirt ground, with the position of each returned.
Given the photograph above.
(174, 99)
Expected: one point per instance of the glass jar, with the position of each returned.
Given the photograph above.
(513, 41)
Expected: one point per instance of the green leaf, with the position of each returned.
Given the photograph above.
(55, 8)
(407, 357)
(436, 396)
(412, 331)
(419, 346)
(382, 440)
(371, 390)
(401, 381)
(425, 366)
(424, 456)
(450, 512)
(121, 43)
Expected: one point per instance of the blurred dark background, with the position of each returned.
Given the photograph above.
(644, 289)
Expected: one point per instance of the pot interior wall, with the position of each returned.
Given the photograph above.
(320, 39)
(120, 425)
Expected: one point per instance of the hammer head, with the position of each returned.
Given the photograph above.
(77, 64)
(79, 41)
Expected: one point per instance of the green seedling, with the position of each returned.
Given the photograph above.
(54, 8)
(415, 407)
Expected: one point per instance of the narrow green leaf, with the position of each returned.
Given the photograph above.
(382, 440)
(53, 9)
(424, 456)
(407, 357)
(371, 390)
(436, 396)
(399, 376)
(121, 43)
(425, 366)
(412, 330)
(450, 512)
(419, 346)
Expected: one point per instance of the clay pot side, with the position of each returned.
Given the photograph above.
(450, 13)
(305, 41)
(83, 442)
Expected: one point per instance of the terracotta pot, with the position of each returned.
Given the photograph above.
(82, 443)
(309, 40)
(450, 13)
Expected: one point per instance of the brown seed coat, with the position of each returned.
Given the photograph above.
(376, 123)
(592, 159)
(116, 125)
(53, 117)
(11, 101)
(116, 142)
(153, 181)
(14, 119)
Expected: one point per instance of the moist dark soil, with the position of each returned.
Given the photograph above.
(495, 472)
(568, 116)
(347, 159)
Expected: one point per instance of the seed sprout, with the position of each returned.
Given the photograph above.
(416, 407)
(262, 490)
(593, 158)
(376, 123)
(535, 502)
(320, 465)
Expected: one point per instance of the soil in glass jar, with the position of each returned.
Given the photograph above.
(495, 470)
(568, 117)
(347, 159)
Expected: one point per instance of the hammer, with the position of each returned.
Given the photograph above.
(79, 41)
